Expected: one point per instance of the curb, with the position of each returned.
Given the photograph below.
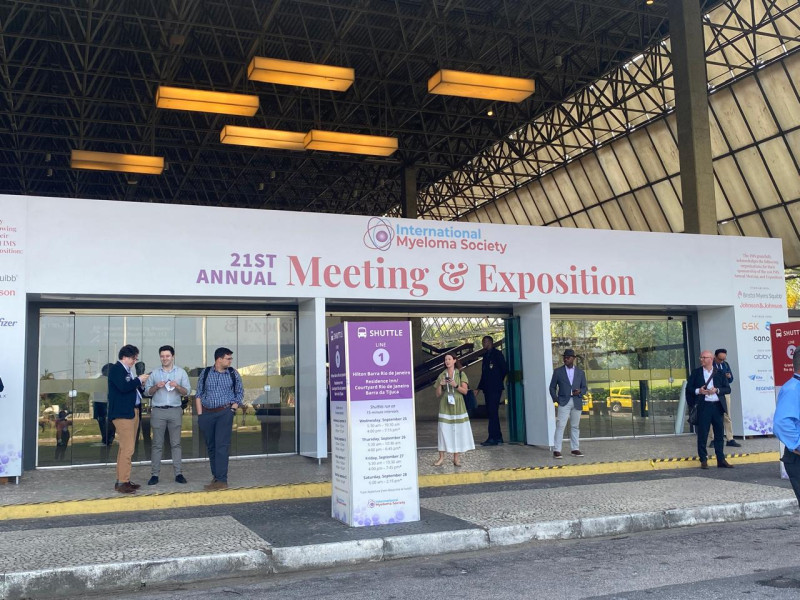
(137, 575)
(295, 491)
(131, 576)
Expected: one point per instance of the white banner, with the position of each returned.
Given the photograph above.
(12, 332)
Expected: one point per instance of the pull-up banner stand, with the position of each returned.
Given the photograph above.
(373, 435)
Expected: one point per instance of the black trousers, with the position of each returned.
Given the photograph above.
(709, 414)
(492, 407)
(792, 463)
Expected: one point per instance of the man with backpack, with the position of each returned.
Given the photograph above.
(219, 394)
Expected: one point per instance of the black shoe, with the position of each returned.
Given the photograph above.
(489, 442)
(180, 479)
(733, 443)
(153, 480)
(499, 442)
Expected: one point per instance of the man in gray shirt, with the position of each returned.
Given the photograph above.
(167, 386)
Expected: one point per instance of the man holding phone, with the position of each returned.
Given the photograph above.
(567, 388)
(168, 385)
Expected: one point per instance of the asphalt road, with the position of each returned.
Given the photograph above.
(754, 560)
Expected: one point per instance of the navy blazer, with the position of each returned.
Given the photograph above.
(697, 380)
(122, 392)
(561, 390)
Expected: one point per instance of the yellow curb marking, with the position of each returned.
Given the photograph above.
(294, 491)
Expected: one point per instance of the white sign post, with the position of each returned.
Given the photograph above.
(372, 424)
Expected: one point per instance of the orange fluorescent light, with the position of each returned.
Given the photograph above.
(211, 102)
(310, 75)
(123, 163)
(262, 138)
(479, 85)
(334, 141)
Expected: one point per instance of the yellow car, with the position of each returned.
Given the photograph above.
(618, 398)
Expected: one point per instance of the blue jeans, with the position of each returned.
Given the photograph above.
(216, 428)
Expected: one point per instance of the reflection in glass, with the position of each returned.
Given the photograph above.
(76, 351)
(634, 369)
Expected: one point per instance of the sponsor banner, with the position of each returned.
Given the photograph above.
(760, 301)
(12, 332)
(381, 454)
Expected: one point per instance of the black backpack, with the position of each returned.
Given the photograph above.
(207, 370)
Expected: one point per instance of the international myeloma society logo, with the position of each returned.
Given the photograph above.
(381, 235)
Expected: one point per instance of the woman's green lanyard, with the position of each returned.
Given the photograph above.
(451, 397)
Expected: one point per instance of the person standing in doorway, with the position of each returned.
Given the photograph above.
(492, 383)
(721, 365)
(125, 391)
(168, 384)
(706, 388)
(219, 394)
(567, 388)
(786, 425)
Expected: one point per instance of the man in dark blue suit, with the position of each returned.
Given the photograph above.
(125, 390)
(706, 388)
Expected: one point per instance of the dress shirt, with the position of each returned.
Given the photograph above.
(570, 373)
(163, 397)
(218, 390)
(131, 377)
(786, 423)
(706, 376)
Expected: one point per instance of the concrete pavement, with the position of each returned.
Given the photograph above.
(64, 532)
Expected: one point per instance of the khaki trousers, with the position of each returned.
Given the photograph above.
(728, 424)
(126, 437)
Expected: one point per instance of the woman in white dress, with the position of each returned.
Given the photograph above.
(455, 433)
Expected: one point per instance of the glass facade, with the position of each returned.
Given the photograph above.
(635, 369)
(76, 349)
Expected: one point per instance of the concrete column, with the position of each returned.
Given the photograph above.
(537, 368)
(408, 207)
(691, 109)
(312, 393)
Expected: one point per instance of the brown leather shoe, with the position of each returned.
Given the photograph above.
(556, 454)
(135, 486)
(703, 464)
(724, 464)
(215, 485)
(125, 488)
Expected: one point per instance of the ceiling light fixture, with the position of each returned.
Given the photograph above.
(262, 138)
(480, 85)
(123, 163)
(310, 75)
(223, 103)
(353, 143)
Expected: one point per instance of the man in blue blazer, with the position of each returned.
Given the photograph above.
(567, 388)
(706, 388)
(125, 391)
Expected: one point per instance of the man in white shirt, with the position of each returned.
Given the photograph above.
(706, 388)
(168, 385)
(568, 387)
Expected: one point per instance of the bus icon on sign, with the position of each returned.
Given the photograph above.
(361, 332)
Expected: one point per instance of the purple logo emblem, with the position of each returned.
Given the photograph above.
(379, 234)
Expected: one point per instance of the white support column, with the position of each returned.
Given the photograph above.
(537, 368)
(312, 397)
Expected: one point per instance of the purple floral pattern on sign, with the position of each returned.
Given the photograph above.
(10, 457)
(758, 424)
